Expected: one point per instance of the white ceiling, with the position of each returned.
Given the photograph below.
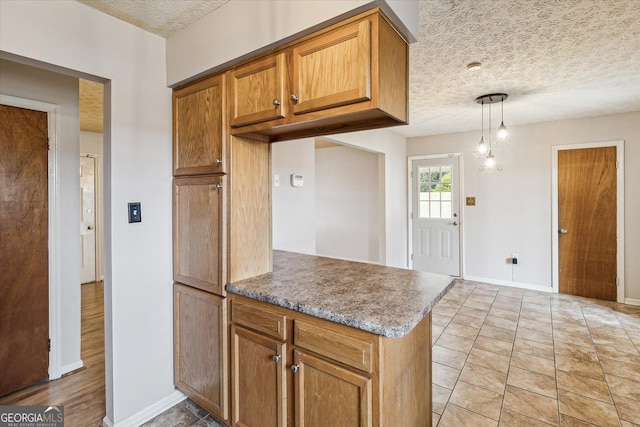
(557, 59)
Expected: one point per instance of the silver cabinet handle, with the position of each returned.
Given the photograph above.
(294, 98)
(218, 186)
(276, 358)
(218, 162)
(563, 231)
(276, 102)
(295, 368)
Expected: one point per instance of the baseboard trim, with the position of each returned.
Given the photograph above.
(147, 413)
(528, 286)
(632, 301)
(71, 367)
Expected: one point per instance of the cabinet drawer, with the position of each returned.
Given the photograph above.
(334, 345)
(268, 323)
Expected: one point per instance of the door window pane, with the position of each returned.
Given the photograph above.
(435, 191)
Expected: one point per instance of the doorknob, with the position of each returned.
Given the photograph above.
(455, 222)
(89, 227)
(563, 231)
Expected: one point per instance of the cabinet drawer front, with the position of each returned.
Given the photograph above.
(343, 348)
(268, 323)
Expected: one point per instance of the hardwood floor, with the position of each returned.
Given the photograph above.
(82, 392)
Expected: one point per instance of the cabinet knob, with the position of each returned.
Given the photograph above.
(218, 186)
(294, 98)
(295, 368)
(276, 102)
(218, 162)
(276, 358)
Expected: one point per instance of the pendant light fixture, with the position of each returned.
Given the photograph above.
(490, 164)
(502, 137)
(482, 148)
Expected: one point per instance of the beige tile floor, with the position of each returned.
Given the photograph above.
(504, 356)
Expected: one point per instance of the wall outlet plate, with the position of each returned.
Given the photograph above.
(471, 201)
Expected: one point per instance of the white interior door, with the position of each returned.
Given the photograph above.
(435, 218)
(88, 218)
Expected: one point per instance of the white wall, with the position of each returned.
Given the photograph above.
(392, 173)
(294, 208)
(30, 83)
(513, 207)
(347, 203)
(138, 285)
(91, 143)
(243, 27)
(291, 229)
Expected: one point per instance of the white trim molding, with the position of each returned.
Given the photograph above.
(632, 301)
(529, 286)
(56, 370)
(147, 413)
(619, 208)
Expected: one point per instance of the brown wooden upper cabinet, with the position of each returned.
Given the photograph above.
(199, 131)
(350, 76)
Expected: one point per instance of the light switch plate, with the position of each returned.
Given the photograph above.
(135, 214)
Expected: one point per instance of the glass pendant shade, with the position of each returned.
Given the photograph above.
(490, 164)
(482, 148)
(502, 134)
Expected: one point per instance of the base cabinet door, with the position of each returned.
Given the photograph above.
(200, 348)
(257, 388)
(328, 394)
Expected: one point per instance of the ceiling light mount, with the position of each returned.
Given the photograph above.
(492, 98)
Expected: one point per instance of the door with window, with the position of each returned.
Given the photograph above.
(435, 221)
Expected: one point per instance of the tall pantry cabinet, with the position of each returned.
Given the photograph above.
(221, 233)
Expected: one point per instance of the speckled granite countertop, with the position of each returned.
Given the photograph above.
(384, 300)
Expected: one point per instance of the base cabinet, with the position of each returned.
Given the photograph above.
(289, 368)
(200, 325)
(323, 388)
(258, 388)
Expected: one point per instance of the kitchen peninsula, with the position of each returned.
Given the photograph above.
(324, 339)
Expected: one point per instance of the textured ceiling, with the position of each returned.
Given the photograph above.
(91, 106)
(161, 17)
(557, 59)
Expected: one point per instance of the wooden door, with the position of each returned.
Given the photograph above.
(435, 223)
(333, 69)
(199, 130)
(201, 347)
(199, 233)
(257, 379)
(258, 91)
(587, 206)
(24, 255)
(328, 394)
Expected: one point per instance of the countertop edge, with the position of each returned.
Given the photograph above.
(398, 331)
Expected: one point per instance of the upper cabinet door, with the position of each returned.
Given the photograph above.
(333, 69)
(258, 91)
(198, 128)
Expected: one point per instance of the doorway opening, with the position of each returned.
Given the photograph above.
(588, 220)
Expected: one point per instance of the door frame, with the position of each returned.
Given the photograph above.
(555, 274)
(55, 297)
(410, 160)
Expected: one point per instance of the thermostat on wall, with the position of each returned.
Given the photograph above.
(297, 180)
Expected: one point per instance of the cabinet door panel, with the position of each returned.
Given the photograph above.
(257, 91)
(333, 69)
(200, 348)
(257, 380)
(327, 394)
(199, 132)
(199, 233)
